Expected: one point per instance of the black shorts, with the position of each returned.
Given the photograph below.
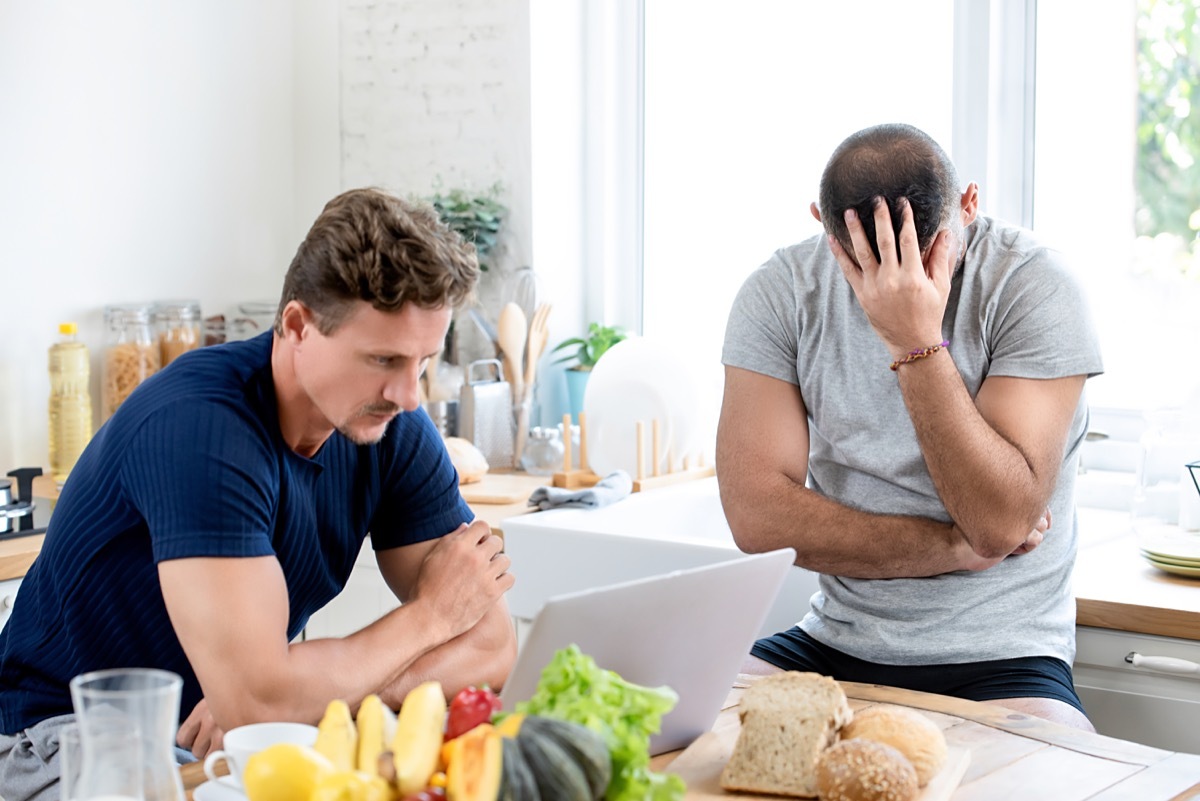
(1022, 677)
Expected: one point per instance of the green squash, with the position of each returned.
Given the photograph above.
(517, 781)
(584, 747)
(559, 777)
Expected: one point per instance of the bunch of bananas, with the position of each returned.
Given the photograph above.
(378, 757)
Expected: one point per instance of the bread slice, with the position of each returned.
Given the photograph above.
(788, 719)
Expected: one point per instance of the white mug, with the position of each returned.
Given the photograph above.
(245, 741)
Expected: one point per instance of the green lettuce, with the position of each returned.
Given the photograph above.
(574, 688)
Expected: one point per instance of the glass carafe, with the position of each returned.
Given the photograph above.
(146, 700)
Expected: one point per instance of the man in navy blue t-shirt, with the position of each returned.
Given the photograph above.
(228, 497)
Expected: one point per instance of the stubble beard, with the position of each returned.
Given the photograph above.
(348, 431)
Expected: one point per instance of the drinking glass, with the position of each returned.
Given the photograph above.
(144, 700)
(100, 760)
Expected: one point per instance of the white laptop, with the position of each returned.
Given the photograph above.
(690, 630)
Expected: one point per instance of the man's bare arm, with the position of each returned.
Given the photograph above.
(994, 460)
(231, 617)
(762, 464)
(482, 655)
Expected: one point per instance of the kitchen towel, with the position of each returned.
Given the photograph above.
(610, 489)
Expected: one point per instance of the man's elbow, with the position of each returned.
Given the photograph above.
(997, 540)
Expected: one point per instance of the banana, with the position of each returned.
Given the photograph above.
(337, 737)
(418, 739)
(376, 726)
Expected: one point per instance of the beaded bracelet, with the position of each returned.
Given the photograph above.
(919, 353)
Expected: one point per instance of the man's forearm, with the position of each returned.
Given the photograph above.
(986, 484)
(836, 539)
(483, 655)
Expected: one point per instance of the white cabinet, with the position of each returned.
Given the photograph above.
(365, 599)
(8, 594)
(1135, 703)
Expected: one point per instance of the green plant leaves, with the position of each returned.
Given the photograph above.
(588, 350)
(476, 218)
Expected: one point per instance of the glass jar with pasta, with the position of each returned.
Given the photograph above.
(131, 353)
(177, 328)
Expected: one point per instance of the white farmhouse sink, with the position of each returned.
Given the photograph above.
(648, 533)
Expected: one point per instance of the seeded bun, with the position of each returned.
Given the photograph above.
(908, 731)
(864, 770)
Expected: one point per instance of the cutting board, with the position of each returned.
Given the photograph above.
(701, 763)
(501, 488)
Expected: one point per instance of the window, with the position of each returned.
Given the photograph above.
(742, 109)
(743, 105)
(1117, 187)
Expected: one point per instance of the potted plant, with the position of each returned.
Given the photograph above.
(587, 350)
(476, 217)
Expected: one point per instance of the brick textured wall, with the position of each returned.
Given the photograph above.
(435, 94)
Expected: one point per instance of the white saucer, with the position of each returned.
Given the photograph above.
(223, 789)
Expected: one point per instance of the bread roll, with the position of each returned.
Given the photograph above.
(468, 460)
(864, 770)
(788, 719)
(906, 730)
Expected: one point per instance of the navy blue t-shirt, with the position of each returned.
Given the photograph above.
(193, 464)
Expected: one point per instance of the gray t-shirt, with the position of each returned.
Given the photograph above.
(1013, 310)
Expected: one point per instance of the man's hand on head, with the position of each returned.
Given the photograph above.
(904, 295)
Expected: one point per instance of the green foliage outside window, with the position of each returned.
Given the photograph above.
(1167, 179)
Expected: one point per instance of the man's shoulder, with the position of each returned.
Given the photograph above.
(992, 240)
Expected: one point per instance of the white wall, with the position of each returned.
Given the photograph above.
(152, 151)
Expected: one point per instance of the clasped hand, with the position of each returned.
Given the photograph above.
(464, 575)
(904, 295)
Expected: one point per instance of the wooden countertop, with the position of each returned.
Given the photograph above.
(1115, 588)
(1008, 755)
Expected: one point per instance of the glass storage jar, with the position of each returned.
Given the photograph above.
(543, 453)
(251, 318)
(131, 354)
(177, 328)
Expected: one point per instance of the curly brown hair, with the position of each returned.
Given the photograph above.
(368, 244)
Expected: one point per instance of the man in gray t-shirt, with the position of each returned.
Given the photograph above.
(935, 498)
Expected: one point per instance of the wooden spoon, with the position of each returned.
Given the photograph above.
(511, 331)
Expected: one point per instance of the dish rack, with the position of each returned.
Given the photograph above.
(689, 469)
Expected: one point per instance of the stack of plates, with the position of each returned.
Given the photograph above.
(1178, 554)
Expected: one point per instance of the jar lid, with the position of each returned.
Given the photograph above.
(127, 313)
(176, 309)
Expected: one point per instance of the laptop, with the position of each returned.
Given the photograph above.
(689, 629)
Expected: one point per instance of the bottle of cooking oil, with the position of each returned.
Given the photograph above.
(70, 402)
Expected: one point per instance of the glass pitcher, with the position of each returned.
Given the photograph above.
(110, 768)
(148, 701)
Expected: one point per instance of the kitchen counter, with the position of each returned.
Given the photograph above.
(1116, 589)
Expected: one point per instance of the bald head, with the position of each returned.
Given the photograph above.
(889, 161)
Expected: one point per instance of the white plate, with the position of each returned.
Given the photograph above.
(1172, 544)
(641, 379)
(614, 406)
(223, 789)
(1177, 570)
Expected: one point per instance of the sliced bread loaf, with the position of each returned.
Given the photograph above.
(788, 719)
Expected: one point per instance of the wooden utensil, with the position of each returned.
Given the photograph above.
(511, 331)
(539, 332)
